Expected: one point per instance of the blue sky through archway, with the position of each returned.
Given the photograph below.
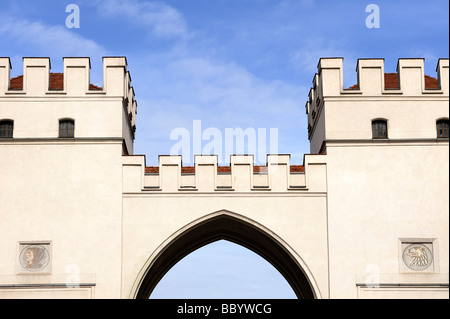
(223, 270)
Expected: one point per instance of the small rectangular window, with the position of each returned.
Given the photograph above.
(6, 128)
(66, 128)
(379, 129)
(442, 128)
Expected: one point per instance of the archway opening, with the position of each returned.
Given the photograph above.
(223, 270)
(233, 229)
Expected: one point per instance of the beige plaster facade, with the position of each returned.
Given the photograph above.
(342, 227)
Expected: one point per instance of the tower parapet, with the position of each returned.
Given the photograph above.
(376, 94)
(36, 78)
(68, 94)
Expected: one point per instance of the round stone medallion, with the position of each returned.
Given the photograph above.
(417, 257)
(34, 258)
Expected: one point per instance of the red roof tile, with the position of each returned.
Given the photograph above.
(224, 169)
(259, 169)
(431, 83)
(16, 83)
(152, 170)
(297, 169)
(188, 170)
(56, 82)
(391, 82)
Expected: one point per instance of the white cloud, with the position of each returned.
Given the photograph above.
(306, 58)
(221, 95)
(50, 40)
(221, 86)
(162, 19)
(54, 41)
(288, 5)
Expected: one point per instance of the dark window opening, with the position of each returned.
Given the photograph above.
(6, 128)
(66, 128)
(442, 128)
(379, 129)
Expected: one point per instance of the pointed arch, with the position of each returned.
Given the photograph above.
(237, 229)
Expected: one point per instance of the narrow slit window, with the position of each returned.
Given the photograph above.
(66, 128)
(442, 128)
(6, 129)
(379, 129)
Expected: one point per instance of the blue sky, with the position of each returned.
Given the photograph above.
(228, 63)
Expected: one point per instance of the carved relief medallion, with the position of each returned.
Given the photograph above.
(34, 258)
(417, 257)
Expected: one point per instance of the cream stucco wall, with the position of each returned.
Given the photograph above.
(59, 195)
(65, 192)
(344, 220)
(375, 203)
(383, 192)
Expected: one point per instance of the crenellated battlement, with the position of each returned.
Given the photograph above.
(410, 80)
(410, 77)
(67, 95)
(38, 80)
(375, 95)
(241, 176)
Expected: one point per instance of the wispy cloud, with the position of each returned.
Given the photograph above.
(306, 57)
(54, 40)
(161, 19)
(36, 38)
(220, 94)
